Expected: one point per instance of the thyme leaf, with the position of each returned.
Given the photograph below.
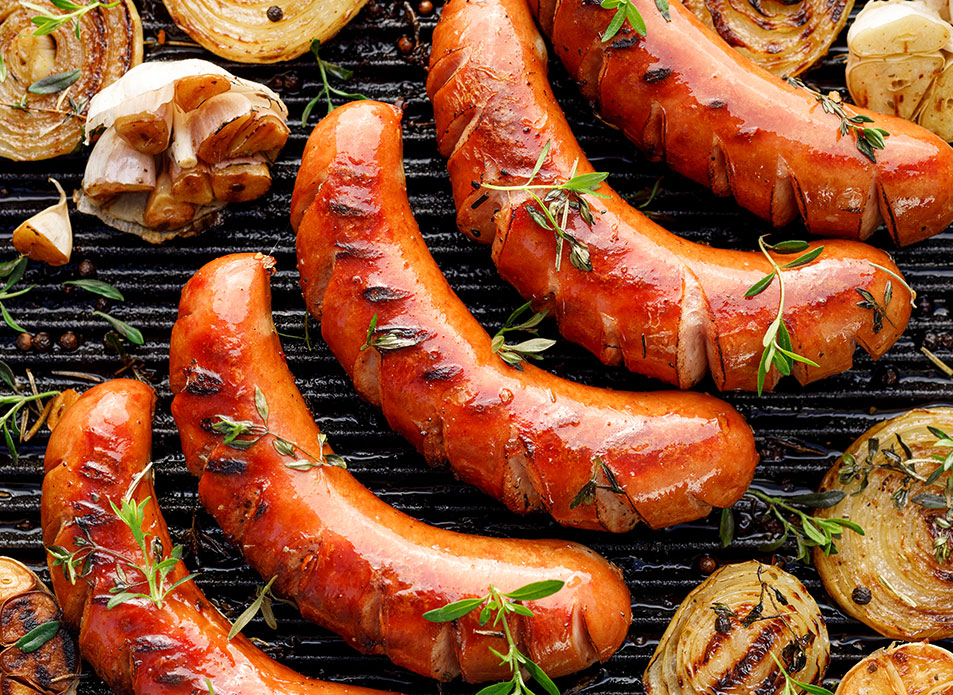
(868, 139)
(791, 685)
(587, 493)
(327, 90)
(387, 339)
(262, 599)
(504, 604)
(46, 22)
(12, 405)
(514, 355)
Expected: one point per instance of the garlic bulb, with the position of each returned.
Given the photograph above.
(897, 577)
(725, 633)
(48, 235)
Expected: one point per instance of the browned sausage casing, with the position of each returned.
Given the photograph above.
(663, 306)
(100, 446)
(682, 94)
(525, 437)
(351, 562)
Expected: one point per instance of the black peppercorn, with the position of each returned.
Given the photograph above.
(924, 306)
(885, 375)
(102, 304)
(42, 342)
(24, 341)
(69, 341)
(861, 595)
(86, 269)
(425, 7)
(405, 45)
(707, 564)
(275, 13)
(723, 624)
(930, 340)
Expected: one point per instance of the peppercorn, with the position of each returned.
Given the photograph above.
(930, 340)
(86, 269)
(707, 564)
(102, 304)
(924, 306)
(24, 341)
(723, 624)
(69, 341)
(292, 82)
(42, 342)
(885, 375)
(405, 45)
(275, 13)
(425, 7)
(861, 595)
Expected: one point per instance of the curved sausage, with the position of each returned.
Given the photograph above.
(663, 306)
(682, 94)
(351, 562)
(100, 446)
(525, 437)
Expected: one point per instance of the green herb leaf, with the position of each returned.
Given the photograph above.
(97, 287)
(818, 500)
(130, 333)
(38, 636)
(805, 259)
(252, 610)
(454, 610)
(761, 285)
(536, 590)
(54, 83)
(726, 527)
(261, 404)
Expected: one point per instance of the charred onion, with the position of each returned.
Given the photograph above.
(250, 31)
(43, 125)
(726, 631)
(38, 656)
(898, 577)
(783, 37)
(901, 668)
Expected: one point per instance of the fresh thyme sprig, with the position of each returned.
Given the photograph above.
(587, 493)
(778, 350)
(626, 10)
(387, 339)
(46, 22)
(557, 202)
(262, 602)
(514, 355)
(327, 90)
(904, 464)
(154, 569)
(243, 434)
(808, 531)
(868, 139)
(13, 271)
(791, 685)
(504, 603)
(20, 403)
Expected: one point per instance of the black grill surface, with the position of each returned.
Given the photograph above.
(799, 430)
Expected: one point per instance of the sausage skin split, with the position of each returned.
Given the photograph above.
(527, 437)
(663, 306)
(349, 561)
(682, 94)
(100, 446)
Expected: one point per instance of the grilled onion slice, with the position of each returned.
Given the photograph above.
(901, 668)
(724, 634)
(41, 126)
(249, 31)
(897, 578)
(783, 37)
(46, 660)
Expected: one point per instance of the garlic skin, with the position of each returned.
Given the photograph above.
(48, 235)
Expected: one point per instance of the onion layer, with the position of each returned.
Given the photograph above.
(726, 631)
(249, 31)
(41, 126)
(783, 37)
(891, 578)
(917, 668)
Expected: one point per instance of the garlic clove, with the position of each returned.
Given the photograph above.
(48, 235)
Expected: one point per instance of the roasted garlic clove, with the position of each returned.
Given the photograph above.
(48, 235)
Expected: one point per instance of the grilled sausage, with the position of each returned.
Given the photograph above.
(99, 448)
(663, 306)
(682, 94)
(525, 437)
(351, 562)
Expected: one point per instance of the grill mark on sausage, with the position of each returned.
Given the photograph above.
(200, 381)
(226, 466)
(656, 75)
(356, 249)
(345, 210)
(444, 372)
(379, 294)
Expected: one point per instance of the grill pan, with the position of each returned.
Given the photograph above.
(799, 430)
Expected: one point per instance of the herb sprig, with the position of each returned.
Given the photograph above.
(587, 493)
(19, 403)
(327, 90)
(778, 350)
(244, 434)
(503, 604)
(12, 272)
(514, 355)
(387, 339)
(625, 10)
(262, 602)
(46, 22)
(553, 209)
(868, 139)
(904, 464)
(792, 686)
(807, 530)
